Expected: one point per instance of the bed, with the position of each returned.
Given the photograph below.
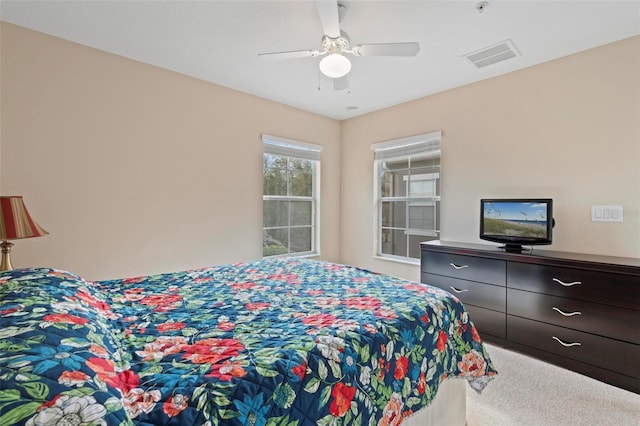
(272, 342)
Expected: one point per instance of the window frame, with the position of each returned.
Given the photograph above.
(296, 150)
(402, 149)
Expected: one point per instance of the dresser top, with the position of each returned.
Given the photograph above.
(619, 264)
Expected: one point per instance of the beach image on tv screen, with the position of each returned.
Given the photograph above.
(515, 219)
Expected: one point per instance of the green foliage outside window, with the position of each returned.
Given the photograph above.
(287, 205)
(287, 176)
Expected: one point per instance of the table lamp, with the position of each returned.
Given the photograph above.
(15, 223)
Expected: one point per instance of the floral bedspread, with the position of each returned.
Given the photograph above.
(271, 342)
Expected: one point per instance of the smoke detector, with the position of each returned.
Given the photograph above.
(480, 7)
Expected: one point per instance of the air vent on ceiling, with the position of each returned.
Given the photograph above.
(492, 54)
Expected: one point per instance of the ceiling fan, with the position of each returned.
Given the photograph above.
(335, 44)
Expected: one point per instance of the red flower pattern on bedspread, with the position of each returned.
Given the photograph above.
(65, 318)
(211, 351)
(473, 364)
(342, 396)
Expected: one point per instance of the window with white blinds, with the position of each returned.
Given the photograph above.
(407, 195)
(290, 172)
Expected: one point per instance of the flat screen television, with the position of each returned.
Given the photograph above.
(515, 222)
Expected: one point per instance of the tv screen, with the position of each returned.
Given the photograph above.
(516, 221)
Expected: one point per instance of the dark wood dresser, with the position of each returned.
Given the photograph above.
(578, 311)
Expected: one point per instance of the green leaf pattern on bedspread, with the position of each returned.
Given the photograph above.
(265, 343)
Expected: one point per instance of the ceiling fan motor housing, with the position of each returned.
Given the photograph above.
(336, 44)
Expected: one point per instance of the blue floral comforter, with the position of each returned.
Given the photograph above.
(271, 342)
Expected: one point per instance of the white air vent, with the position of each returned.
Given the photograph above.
(492, 54)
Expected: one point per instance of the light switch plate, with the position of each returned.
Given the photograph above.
(606, 213)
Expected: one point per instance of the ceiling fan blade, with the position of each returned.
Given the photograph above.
(292, 54)
(340, 83)
(387, 49)
(328, 11)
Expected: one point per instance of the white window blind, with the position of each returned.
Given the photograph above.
(425, 144)
(289, 148)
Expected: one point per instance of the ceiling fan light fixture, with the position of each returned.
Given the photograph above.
(335, 65)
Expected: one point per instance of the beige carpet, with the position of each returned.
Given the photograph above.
(529, 392)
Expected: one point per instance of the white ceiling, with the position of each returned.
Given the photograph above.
(218, 41)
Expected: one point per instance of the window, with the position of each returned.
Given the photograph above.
(407, 179)
(290, 174)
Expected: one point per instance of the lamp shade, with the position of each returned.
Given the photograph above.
(15, 221)
(335, 65)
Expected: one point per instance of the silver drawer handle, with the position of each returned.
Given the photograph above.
(458, 291)
(566, 284)
(567, 314)
(458, 266)
(566, 345)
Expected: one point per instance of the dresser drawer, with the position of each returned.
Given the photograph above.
(599, 351)
(490, 271)
(470, 292)
(488, 322)
(607, 321)
(599, 287)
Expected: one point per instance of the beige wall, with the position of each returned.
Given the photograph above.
(138, 170)
(567, 129)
